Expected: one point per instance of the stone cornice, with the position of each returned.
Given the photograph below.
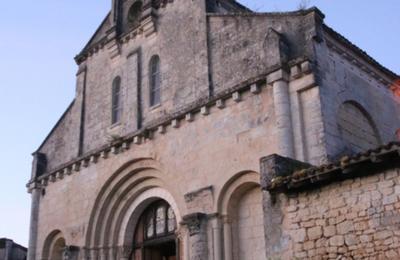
(159, 127)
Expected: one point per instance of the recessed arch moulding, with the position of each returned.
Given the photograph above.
(119, 205)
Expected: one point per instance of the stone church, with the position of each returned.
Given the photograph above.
(201, 130)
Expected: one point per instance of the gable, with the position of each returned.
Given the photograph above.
(98, 37)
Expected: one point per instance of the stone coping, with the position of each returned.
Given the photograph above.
(371, 161)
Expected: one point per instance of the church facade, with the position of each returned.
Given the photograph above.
(203, 130)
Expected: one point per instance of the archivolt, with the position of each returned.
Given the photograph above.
(238, 184)
(114, 202)
(50, 242)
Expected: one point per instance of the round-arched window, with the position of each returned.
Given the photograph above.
(155, 233)
(116, 102)
(135, 13)
(155, 80)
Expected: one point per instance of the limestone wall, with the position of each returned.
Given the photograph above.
(357, 218)
(183, 65)
(346, 78)
(210, 150)
(240, 47)
(63, 142)
(196, 59)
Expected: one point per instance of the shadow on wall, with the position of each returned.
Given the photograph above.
(357, 129)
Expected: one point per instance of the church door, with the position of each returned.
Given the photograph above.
(155, 237)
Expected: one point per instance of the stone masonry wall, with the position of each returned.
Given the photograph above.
(239, 47)
(354, 219)
(343, 79)
(235, 51)
(207, 151)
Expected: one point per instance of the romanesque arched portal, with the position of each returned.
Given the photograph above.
(123, 206)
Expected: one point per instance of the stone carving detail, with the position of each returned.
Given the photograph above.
(194, 222)
(189, 197)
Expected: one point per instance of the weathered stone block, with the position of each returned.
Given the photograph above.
(299, 235)
(314, 233)
(337, 240)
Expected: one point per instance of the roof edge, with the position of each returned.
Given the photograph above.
(357, 50)
(301, 12)
(55, 127)
(88, 44)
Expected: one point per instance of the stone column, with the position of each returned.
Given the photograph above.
(197, 226)
(94, 253)
(103, 253)
(227, 239)
(279, 81)
(217, 238)
(35, 191)
(39, 165)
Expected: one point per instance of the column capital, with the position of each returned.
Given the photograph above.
(33, 186)
(226, 219)
(278, 75)
(194, 222)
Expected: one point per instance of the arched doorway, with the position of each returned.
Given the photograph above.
(155, 237)
(246, 213)
(240, 204)
(57, 250)
(54, 246)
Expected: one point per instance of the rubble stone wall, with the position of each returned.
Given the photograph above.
(356, 218)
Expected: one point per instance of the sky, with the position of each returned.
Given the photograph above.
(38, 40)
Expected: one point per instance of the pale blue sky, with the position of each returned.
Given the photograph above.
(37, 73)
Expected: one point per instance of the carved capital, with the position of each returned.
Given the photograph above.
(194, 222)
